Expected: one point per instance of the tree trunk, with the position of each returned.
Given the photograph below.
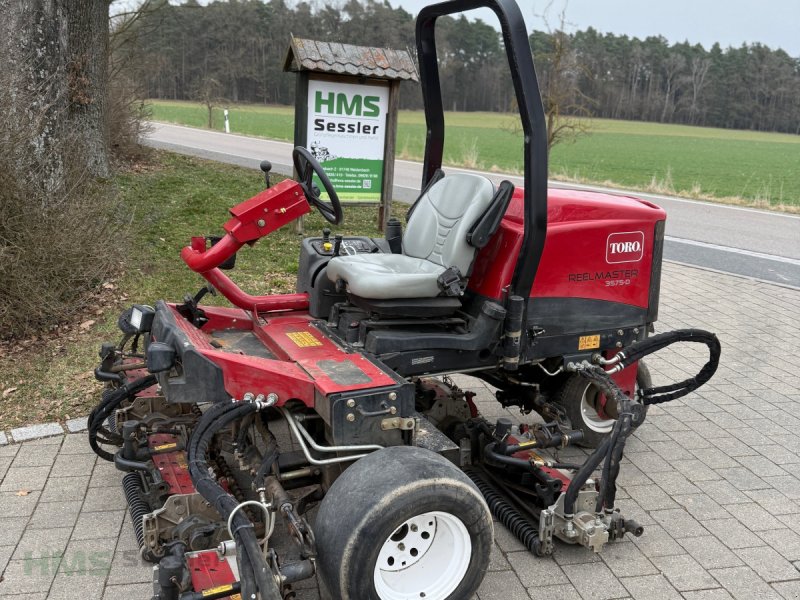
(33, 42)
(87, 22)
(54, 64)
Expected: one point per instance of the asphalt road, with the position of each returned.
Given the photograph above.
(754, 243)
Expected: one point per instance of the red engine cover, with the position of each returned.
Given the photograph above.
(598, 246)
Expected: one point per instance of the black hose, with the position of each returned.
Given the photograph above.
(507, 514)
(665, 393)
(490, 453)
(583, 474)
(110, 401)
(254, 571)
(609, 491)
(270, 458)
(124, 464)
(607, 481)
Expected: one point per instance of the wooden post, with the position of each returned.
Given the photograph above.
(387, 187)
(300, 126)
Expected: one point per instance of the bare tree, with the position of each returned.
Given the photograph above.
(209, 92)
(673, 65)
(697, 78)
(564, 103)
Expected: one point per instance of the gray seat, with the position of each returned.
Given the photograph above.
(435, 240)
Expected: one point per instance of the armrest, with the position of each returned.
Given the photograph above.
(487, 224)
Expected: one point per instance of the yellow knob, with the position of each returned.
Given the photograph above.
(327, 246)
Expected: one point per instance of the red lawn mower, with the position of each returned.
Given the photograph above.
(226, 420)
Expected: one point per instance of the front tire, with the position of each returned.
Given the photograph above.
(403, 524)
(579, 398)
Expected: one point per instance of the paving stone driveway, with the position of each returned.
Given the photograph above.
(714, 479)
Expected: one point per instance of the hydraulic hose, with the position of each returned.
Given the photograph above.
(111, 400)
(583, 474)
(254, 571)
(665, 393)
(631, 413)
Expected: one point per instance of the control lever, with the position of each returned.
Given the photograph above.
(337, 244)
(326, 240)
(266, 166)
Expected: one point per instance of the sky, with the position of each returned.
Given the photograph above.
(775, 23)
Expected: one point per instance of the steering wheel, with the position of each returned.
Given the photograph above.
(307, 166)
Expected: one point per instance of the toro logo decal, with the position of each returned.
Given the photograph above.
(625, 247)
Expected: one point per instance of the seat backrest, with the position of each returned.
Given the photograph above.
(437, 228)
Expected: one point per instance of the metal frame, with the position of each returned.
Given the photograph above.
(531, 110)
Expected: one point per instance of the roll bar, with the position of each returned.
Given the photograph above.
(531, 111)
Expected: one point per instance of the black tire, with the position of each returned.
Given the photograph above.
(366, 514)
(575, 390)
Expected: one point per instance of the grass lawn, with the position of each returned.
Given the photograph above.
(761, 169)
(50, 377)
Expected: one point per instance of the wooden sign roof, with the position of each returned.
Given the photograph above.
(346, 59)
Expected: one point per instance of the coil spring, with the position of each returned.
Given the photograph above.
(132, 485)
(507, 514)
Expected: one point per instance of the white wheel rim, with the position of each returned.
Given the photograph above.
(591, 419)
(426, 557)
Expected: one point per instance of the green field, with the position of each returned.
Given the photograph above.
(745, 167)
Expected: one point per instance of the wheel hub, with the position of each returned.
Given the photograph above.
(426, 557)
(408, 544)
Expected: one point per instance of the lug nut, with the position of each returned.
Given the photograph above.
(351, 417)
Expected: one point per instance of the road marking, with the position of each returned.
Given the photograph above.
(761, 255)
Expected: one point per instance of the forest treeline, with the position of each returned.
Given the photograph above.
(239, 47)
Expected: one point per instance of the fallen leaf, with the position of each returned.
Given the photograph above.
(109, 286)
(8, 391)
(86, 324)
(23, 492)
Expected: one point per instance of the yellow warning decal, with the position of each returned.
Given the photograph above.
(217, 590)
(528, 444)
(163, 447)
(303, 339)
(181, 461)
(588, 342)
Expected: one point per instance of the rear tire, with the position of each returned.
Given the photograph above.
(578, 397)
(403, 524)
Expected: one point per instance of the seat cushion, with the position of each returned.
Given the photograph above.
(386, 276)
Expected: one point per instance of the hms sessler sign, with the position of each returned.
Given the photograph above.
(346, 134)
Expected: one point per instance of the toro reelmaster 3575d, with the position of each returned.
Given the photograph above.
(547, 297)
